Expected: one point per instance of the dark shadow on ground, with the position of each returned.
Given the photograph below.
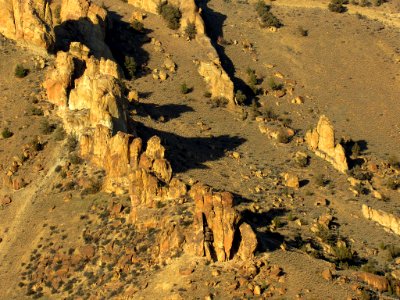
(167, 112)
(348, 146)
(112, 39)
(267, 240)
(125, 41)
(214, 22)
(185, 153)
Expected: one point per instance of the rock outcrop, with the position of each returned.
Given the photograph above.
(85, 22)
(321, 140)
(220, 85)
(28, 22)
(385, 219)
(216, 225)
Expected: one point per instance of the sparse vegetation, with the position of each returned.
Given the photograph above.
(190, 31)
(171, 14)
(130, 67)
(302, 31)
(20, 71)
(219, 102)
(240, 98)
(267, 18)
(137, 25)
(6, 133)
(337, 6)
(72, 143)
(46, 127)
(185, 89)
(274, 85)
(36, 111)
(320, 180)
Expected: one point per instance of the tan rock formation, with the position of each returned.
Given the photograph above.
(215, 221)
(89, 20)
(322, 141)
(248, 242)
(385, 219)
(28, 22)
(377, 282)
(220, 85)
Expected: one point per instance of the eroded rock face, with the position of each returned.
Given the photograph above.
(84, 21)
(215, 225)
(220, 85)
(29, 22)
(218, 81)
(385, 219)
(322, 141)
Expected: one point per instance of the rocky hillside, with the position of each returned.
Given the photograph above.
(154, 150)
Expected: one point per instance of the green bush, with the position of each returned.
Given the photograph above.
(46, 127)
(20, 71)
(191, 31)
(130, 66)
(6, 133)
(185, 89)
(72, 143)
(171, 14)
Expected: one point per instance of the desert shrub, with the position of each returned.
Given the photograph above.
(270, 114)
(393, 183)
(392, 251)
(37, 145)
(185, 89)
(191, 31)
(171, 14)
(302, 161)
(343, 253)
(137, 25)
(207, 94)
(267, 17)
(57, 13)
(320, 180)
(59, 133)
(20, 71)
(219, 102)
(252, 77)
(75, 159)
(130, 66)
(6, 133)
(72, 143)
(358, 173)
(355, 150)
(326, 235)
(337, 6)
(274, 85)
(302, 31)
(240, 97)
(394, 162)
(36, 111)
(46, 127)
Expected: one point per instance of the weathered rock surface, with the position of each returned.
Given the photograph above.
(248, 243)
(385, 219)
(322, 141)
(220, 85)
(28, 22)
(215, 224)
(377, 282)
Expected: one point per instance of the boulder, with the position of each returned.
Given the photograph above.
(322, 141)
(248, 242)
